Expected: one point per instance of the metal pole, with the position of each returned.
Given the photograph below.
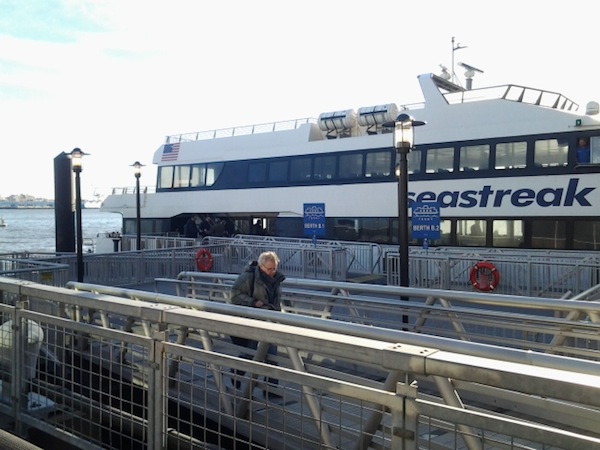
(403, 215)
(453, 49)
(138, 214)
(137, 171)
(78, 220)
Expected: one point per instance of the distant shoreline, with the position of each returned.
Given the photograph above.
(42, 207)
(44, 204)
(26, 207)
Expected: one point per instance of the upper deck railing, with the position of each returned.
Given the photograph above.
(244, 130)
(514, 93)
(125, 190)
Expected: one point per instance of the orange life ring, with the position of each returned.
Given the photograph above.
(484, 276)
(204, 260)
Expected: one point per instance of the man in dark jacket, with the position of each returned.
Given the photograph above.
(190, 230)
(258, 286)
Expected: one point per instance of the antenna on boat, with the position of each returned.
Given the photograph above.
(454, 48)
(445, 73)
(469, 74)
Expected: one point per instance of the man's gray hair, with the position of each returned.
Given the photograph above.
(268, 256)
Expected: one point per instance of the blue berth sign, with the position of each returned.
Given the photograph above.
(425, 220)
(314, 219)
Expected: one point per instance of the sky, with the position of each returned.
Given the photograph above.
(115, 77)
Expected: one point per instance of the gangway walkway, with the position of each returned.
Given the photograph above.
(143, 369)
(568, 326)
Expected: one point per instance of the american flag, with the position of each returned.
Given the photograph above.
(170, 152)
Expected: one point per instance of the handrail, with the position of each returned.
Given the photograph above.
(354, 374)
(222, 282)
(516, 93)
(238, 131)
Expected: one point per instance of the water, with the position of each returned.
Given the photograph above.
(33, 230)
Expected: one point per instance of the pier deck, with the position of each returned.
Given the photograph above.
(352, 373)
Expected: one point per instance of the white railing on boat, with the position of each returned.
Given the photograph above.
(514, 93)
(132, 190)
(239, 131)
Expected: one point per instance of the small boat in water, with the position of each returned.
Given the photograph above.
(2, 222)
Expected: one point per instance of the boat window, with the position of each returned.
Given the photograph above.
(582, 150)
(375, 229)
(586, 235)
(257, 172)
(595, 150)
(278, 171)
(149, 226)
(324, 167)
(550, 153)
(548, 234)
(212, 173)
(470, 233)
(165, 177)
(511, 155)
(588, 150)
(345, 229)
(507, 233)
(301, 169)
(445, 232)
(474, 157)
(414, 161)
(182, 176)
(396, 234)
(351, 166)
(198, 175)
(378, 164)
(440, 160)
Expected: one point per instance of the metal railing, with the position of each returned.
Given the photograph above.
(162, 373)
(527, 274)
(522, 272)
(362, 258)
(34, 267)
(239, 131)
(321, 262)
(561, 326)
(128, 242)
(516, 93)
(543, 273)
(131, 268)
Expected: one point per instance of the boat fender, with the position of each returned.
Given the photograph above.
(484, 276)
(204, 260)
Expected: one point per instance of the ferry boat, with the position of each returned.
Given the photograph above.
(503, 164)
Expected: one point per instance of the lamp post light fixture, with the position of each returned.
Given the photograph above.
(137, 171)
(403, 143)
(76, 156)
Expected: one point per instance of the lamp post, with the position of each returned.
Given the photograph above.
(403, 143)
(76, 156)
(137, 171)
